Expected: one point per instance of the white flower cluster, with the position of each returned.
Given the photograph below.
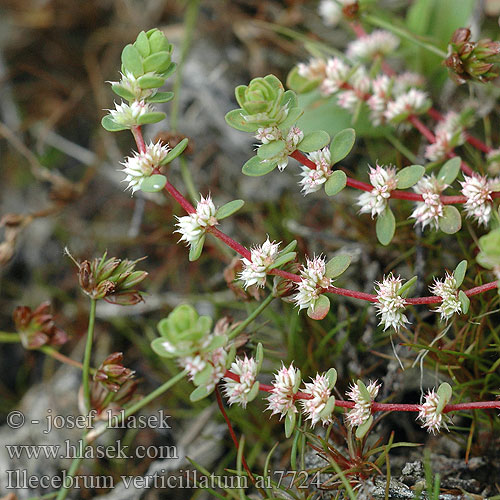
(449, 134)
(255, 270)
(131, 84)
(430, 210)
(390, 305)
(192, 227)
(376, 44)
(392, 99)
(447, 290)
(413, 102)
(127, 115)
(428, 414)
(362, 410)
(285, 385)
(292, 139)
(383, 181)
(477, 189)
(239, 391)
(319, 391)
(313, 281)
(141, 165)
(313, 179)
(331, 10)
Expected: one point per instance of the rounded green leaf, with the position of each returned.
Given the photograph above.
(153, 117)
(253, 392)
(132, 60)
(291, 118)
(444, 394)
(464, 301)
(385, 226)
(199, 393)
(255, 168)
(196, 249)
(142, 44)
(459, 272)
(271, 149)
(331, 375)
(229, 209)
(161, 97)
(336, 266)
(290, 423)
(157, 62)
(150, 82)
(342, 144)
(364, 428)
(110, 125)
(450, 169)
(172, 155)
(236, 119)
(122, 92)
(314, 141)
(336, 182)
(153, 184)
(451, 221)
(160, 349)
(321, 308)
(406, 288)
(282, 259)
(409, 176)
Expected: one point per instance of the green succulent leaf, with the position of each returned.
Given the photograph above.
(282, 259)
(364, 428)
(153, 117)
(444, 393)
(338, 265)
(175, 152)
(157, 62)
(153, 184)
(459, 272)
(385, 226)
(161, 97)
(158, 348)
(291, 118)
(336, 182)
(254, 391)
(110, 125)
(142, 44)
(313, 141)
(235, 118)
(290, 423)
(122, 92)
(196, 249)
(229, 209)
(342, 144)
(321, 308)
(150, 82)
(254, 167)
(365, 394)
(464, 301)
(331, 375)
(328, 409)
(259, 356)
(409, 176)
(132, 60)
(271, 150)
(202, 377)
(451, 221)
(450, 170)
(199, 393)
(290, 247)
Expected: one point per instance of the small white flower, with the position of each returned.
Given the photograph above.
(192, 227)
(406, 81)
(141, 165)
(319, 390)
(377, 43)
(281, 398)
(430, 210)
(255, 270)
(312, 283)
(390, 306)
(428, 414)
(198, 362)
(360, 85)
(477, 190)
(381, 96)
(130, 83)
(383, 181)
(330, 11)
(294, 136)
(237, 392)
(312, 70)
(363, 408)
(126, 115)
(413, 102)
(336, 75)
(447, 290)
(268, 134)
(313, 179)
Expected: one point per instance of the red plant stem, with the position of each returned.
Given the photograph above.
(244, 252)
(232, 433)
(422, 128)
(479, 405)
(139, 140)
